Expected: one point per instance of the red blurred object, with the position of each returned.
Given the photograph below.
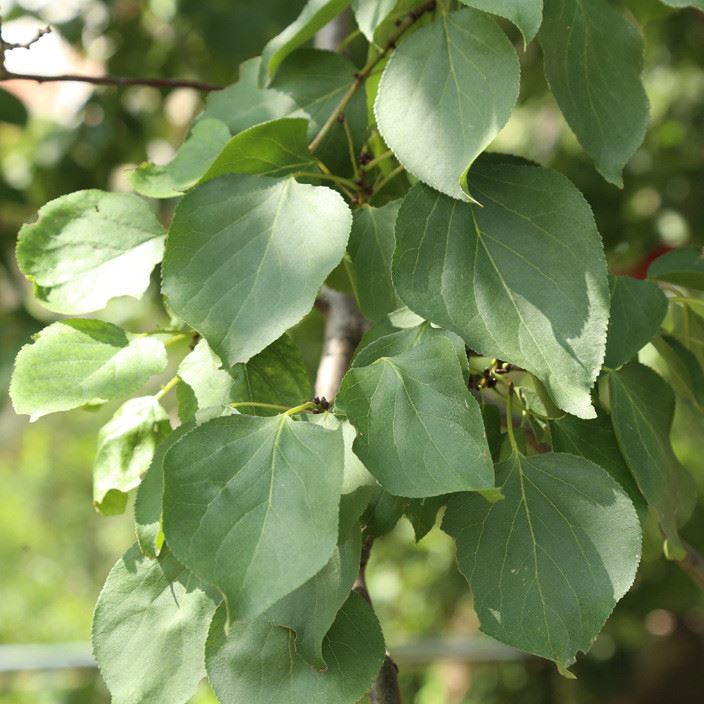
(640, 269)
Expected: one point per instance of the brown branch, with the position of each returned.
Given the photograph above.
(692, 564)
(344, 326)
(116, 81)
(410, 19)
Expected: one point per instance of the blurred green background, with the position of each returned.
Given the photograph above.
(55, 551)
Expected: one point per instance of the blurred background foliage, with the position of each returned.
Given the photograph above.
(55, 551)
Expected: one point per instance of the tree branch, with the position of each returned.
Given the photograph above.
(411, 18)
(693, 565)
(117, 81)
(122, 81)
(344, 327)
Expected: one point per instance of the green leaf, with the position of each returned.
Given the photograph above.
(251, 506)
(238, 659)
(310, 611)
(637, 311)
(149, 501)
(685, 370)
(88, 247)
(150, 628)
(277, 375)
(527, 15)
(194, 157)
(684, 267)
(246, 257)
(75, 363)
(202, 371)
(642, 410)
(273, 148)
(371, 248)
(316, 80)
(427, 108)
(401, 341)
(688, 327)
(369, 14)
(355, 474)
(593, 61)
(549, 562)
(314, 15)
(383, 513)
(699, 4)
(126, 446)
(244, 104)
(419, 430)
(12, 109)
(595, 441)
(522, 279)
(423, 513)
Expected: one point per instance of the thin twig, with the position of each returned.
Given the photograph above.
(693, 565)
(118, 81)
(411, 18)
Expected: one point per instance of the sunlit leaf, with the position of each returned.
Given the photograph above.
(75, 363)
(427, 108)
(89, 247)
(150, 628)
(126, 446)
(522, 278)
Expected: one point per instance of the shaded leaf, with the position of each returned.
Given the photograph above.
(685, 370)
(595, 441)
(316, 80)
(637, 311)
(593, 61)
(423, 513)
(251, 506)
(12, 109)
(88, 247)
(371, 248)
(354, 649)
(310, 611)
(383, 513)
(406, 339)
(149, 501)
(193, 158)
(149, 630)
(427, 109)
(75, 363)
(419, 430)
(549, 562)
(246, 257)
(522, 279)
(642, 410)
(126, 446)
(684, 267)
(276, 375)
